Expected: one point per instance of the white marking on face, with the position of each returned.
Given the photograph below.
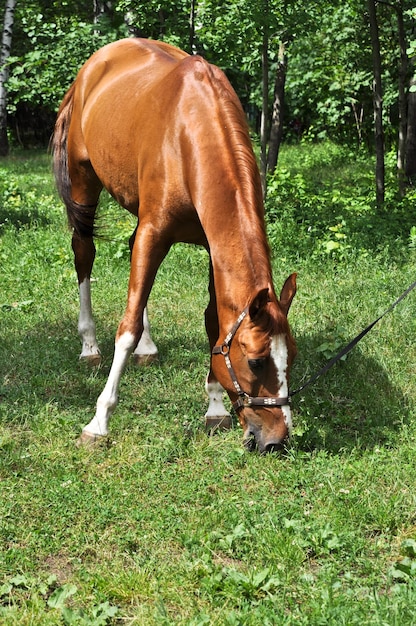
(279, 354)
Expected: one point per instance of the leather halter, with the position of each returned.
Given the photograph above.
(244, 399)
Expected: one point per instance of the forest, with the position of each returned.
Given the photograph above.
(326, 70)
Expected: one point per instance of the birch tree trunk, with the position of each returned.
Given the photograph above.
(6, 44)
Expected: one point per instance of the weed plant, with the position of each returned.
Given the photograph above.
(162, 524)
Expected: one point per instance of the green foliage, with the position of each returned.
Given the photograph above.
(25, 206)
(321, 206)
(335, 340)
(329, 75)
(48, 54)
(168, 21)
(412, 238)
(21, 590)
(404, 569)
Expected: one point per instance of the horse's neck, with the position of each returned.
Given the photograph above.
(241, 266)
(229, 205)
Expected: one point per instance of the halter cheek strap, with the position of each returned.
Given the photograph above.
(244, 399)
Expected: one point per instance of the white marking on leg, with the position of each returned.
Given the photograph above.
(107, 401)
(146, 345)
(86, 324)
(280, 357)
(216, 406)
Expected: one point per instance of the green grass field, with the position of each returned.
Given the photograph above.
(161, 524)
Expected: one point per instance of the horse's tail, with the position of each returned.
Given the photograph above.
(80, 217)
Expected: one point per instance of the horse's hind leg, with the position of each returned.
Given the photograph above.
(84, 255)
(81, 208)
(217, 417)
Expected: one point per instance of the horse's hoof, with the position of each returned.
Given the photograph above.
(93, 360)
(89, 439)
(216, 423)
(145, 359)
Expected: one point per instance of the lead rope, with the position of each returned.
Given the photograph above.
(352, 344)
(245, 400)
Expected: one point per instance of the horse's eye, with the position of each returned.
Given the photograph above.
(256, 364)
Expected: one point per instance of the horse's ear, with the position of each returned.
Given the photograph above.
(258, 302)
(288, 293)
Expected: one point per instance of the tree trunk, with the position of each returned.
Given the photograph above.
(410, 168)
(6, 43)
(377, 103)
(101, 7)
(264, 110)
(192, 29)
(276, 128)
(401, 147)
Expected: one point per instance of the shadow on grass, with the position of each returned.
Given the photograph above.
(24, 216)
(43, 366)
(354, 405)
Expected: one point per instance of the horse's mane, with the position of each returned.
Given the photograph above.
(238, 130)
(249, 183)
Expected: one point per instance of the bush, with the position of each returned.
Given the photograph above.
(323, 204)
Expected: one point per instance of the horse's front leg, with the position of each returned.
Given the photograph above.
(146, 351)
(217, 417)
(107, 401)
(84, 255)
(149, 251)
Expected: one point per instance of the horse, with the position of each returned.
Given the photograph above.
(165, 133)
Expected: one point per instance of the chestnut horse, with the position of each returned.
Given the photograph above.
(165, 134)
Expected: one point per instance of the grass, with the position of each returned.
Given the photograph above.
(162, 524)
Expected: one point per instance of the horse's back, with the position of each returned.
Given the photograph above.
(111, 108)
(149, 117)
(119, 61)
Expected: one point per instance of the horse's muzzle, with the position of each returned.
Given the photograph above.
(255, 439)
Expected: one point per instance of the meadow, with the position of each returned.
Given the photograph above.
(162, 524)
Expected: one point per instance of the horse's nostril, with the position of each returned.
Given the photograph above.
(274, 447)
(250, 442)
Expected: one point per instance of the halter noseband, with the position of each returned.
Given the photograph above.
(243, 398)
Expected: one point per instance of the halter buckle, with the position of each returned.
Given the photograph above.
(245, 399)
(224, 349)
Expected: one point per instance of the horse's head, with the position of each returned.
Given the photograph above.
(253, 365)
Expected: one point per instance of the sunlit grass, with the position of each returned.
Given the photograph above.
(162, 524)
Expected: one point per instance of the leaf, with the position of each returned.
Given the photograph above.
(5, 589)
(103, 612)
(331, 245)
(19, 581)
(60, 595)
(70, 616)
(260, 577)
(409, 547)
